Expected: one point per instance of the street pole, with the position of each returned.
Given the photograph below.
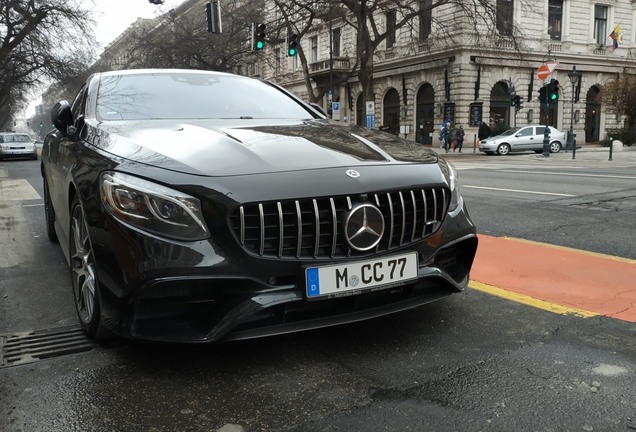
(574, 76)
(546, 133)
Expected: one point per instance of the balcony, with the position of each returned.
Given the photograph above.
(319, 71)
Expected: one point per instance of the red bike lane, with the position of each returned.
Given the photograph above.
(556, 278)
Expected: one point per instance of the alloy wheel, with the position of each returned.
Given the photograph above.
(82, 267)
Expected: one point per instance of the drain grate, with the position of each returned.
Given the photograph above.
(32, 346)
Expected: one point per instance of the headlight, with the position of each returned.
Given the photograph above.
(453, 181)
(152, 207)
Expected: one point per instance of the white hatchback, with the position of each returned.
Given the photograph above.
(17, 145)
(523, 138)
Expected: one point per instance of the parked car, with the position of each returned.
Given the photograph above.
(17, 146)
(197, 206)
(523, 138)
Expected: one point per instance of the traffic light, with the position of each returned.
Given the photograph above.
(513, 100)
(259, 37)
(553, 91)
(292, 48)
(213, 14)
(156, 2)
(543, 96)
(518, 103)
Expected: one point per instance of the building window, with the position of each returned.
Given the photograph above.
(313, 42)
(335, 40)
(555, 19)
(505, 13)
(390, 29)
(600, 24)
(426, 19)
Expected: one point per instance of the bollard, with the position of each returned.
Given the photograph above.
(611, 148)
(474, 143)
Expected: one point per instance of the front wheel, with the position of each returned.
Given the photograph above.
(555, 147)
(84, 275)
(503, 149)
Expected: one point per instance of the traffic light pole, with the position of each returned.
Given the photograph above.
(546, 133)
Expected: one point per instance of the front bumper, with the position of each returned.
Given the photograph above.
(194, 293)
(18, 153)
(488, 147)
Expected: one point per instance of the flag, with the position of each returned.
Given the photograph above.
(615, 35)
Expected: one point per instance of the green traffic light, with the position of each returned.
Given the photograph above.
(292, 51)
(260, 45)
(554, 96)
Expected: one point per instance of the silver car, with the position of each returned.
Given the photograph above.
(523, 138)
(17, 145)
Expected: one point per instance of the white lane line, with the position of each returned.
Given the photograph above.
(571, 174)
(517, 190)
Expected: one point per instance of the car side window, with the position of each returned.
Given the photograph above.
(525, 132)
(540, 130)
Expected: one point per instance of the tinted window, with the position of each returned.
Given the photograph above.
(191, 96)
(540, 130)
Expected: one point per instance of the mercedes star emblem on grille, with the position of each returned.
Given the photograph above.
(364, 227)
(353, 173)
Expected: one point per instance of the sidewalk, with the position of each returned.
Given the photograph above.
(584, 153)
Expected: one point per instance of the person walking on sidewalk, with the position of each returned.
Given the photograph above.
(483, 132)
(459, 139)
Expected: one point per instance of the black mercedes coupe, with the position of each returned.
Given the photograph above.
(196, 206)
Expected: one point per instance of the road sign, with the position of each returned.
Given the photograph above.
(545, 70)
(335, 110)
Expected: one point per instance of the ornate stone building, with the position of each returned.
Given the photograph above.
(422, 77)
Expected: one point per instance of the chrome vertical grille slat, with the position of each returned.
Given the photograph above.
(281, 229)
(262, 230)
(391, 220)
(317, 221)
(334, 222)
(403, 210)
(414, 215)
(310, 228)
(299, 221)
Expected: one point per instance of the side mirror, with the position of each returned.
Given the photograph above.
(61, 116)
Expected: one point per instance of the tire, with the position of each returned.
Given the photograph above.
(49, 213)
(555, 147)
(84, 276)
(538, 151)
(503, 149)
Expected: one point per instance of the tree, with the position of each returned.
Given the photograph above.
(476, 22)
(621, 94)
(181, 40)
(47, 39)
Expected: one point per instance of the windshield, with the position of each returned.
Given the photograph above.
(15, 138)
(511, 131)
(192, 95)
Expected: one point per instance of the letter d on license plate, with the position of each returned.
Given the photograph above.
(346, 279)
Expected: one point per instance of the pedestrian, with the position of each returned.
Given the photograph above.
(445, 135)
(483, 132)
(459, 138)
(441, 134)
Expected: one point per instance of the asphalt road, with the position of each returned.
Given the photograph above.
(469, 363)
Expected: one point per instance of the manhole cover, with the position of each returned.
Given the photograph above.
(32, 346)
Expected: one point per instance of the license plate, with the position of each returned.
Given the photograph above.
(351, 278)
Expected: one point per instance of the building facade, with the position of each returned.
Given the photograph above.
(427, 71)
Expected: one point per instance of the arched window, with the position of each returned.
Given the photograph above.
(391, 112)
(592, 115)
(425, 114)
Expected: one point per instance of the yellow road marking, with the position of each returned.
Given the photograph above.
(530, 301)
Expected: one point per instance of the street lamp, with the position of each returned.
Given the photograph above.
(574, 76)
